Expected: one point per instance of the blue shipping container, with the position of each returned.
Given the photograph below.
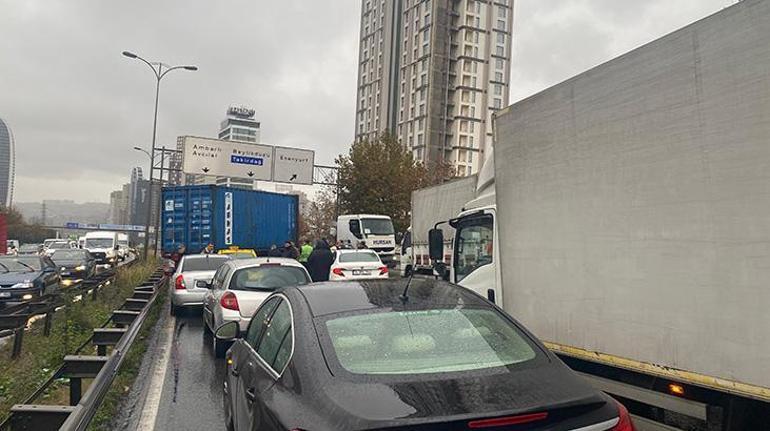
(198, 215)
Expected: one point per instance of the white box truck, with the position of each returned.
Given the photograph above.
(430, 206)
(628, 224)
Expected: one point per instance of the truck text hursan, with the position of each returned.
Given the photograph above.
(624, 218)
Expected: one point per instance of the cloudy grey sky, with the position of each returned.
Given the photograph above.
(76, 106)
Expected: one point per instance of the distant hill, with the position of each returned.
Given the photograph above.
(59, 212)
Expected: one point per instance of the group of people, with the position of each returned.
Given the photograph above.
(317, 258)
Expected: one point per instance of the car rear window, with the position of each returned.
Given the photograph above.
(426, 341)
(268, 278)
(208, 263)
(359, 257)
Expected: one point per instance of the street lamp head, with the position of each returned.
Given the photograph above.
(192, 68)
(129, 54)
(139, 148)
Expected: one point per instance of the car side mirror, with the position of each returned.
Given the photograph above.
(227, 332)
(202, 284)
(436, 244)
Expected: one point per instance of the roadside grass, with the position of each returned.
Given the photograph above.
(72, 326)
(103, 420)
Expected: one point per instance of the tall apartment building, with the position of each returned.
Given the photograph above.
(454, 72)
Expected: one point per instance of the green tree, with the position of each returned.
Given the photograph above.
(319, 216)
(378, 177)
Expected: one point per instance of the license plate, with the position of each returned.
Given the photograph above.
(360, 272)
(5, 294)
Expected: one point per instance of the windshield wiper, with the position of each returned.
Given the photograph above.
(31, 269)
(6, 268)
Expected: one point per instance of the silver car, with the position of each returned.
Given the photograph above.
(192, 269)
(240, 286)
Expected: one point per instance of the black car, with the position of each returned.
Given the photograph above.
(361, 356)
(75, 264)
(26, 277)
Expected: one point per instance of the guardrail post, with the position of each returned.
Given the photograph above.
(47, 324)
(76, 390)
(18, 339)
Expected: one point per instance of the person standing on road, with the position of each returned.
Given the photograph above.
(320, 261)
(274, 251)
(304, 252)
(209, 249)
(289, 251)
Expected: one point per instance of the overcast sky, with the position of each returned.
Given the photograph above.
(77, 107)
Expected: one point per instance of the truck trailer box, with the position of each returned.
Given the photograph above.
(634, 206)
(198, 215)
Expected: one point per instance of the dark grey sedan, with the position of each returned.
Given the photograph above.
(23, 278)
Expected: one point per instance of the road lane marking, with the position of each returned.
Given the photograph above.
(158, 376)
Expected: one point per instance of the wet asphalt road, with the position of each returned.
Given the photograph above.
(192, 390)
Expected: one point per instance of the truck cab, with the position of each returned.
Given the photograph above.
(376, 231)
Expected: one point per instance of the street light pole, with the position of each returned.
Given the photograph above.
(157, 70)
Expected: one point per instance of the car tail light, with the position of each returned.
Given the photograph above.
(508, 420)
(179, 282)
(383, 270)
(338, 271)
(625, 419)
(229, 301)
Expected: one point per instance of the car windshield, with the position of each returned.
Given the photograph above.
(99, 242)
(359, 257)
(69, 255)
(426, 341)
(59, 245)
(377, 226)
(30, 248)
(19, 264)
(268, 277)
(123, 242)
(203, 263)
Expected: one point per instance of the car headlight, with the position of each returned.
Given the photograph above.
(23, 285)
(80, 268)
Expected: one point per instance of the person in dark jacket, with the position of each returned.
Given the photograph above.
(274, 251)
(289, 251)
(320, 261)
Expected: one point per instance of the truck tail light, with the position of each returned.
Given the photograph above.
(383, 270)
(625, 419)
(229, 301)
(179, 282)
(338, 271)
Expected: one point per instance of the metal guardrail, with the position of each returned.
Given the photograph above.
(14, 319)
(101, 368)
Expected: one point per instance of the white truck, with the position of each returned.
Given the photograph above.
(375, 231)
(124, 246)
(430, 206)
(624, 220)
(104, 246)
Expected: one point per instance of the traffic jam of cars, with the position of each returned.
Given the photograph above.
(31, 271)
(356, 348)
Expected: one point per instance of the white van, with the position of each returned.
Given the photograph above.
(376, 231)
(124, 246)
(104, 246)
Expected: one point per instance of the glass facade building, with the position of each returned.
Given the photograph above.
(7, 164)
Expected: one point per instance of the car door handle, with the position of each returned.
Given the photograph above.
(251, 395)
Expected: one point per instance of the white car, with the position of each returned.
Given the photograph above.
(58, 245)
(357, 265)
(192, 269)
(239, 287)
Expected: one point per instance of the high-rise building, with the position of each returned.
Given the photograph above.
(454, 72)
(119, 205)
(133, 195)
(7, 164)
(378, 67)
